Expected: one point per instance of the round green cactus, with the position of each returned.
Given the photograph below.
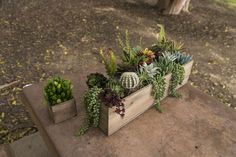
(129, 80)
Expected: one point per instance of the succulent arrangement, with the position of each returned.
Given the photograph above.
(58, 90)
(138, 68)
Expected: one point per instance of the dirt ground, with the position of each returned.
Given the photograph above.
(39, 39)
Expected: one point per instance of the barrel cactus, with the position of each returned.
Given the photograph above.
(129, 80)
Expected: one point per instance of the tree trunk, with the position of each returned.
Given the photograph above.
(174, 6)
(186, 6)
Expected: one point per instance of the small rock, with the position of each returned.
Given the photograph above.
(215, 83)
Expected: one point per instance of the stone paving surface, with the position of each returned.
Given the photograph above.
(30, 146)
(5, 151)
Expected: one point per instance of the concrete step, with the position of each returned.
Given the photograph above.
(5, 151)
(29, 146)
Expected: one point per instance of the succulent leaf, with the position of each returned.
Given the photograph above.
(182, 58)
(58, 90)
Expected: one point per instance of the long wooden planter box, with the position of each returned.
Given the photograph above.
(135, 104)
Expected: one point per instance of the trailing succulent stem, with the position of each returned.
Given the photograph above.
(158, 90)
(176, 79)
(57, 91)
(92, 105)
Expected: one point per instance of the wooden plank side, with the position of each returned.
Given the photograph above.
(187, 69)
(103, 123)
(63, 111)
(117, 122)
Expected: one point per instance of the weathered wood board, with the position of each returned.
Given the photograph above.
(63, 111)
(135, 104)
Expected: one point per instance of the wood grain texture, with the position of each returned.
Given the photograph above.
(187, 69)
(63, 111)
(135, 104)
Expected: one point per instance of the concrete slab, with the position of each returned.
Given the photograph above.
(5, 151)
(30, 146)
(194, 126)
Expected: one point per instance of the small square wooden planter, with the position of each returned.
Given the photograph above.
(135, 104)
(63, 111)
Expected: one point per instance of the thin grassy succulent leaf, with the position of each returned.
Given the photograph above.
(162, 35)
(109, 60)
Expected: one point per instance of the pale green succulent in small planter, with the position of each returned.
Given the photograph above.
(129, 80)
(58, 93)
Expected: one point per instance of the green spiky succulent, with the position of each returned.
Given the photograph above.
(163, 44)
(151, 70)
(165, 66)
(96, 79)
(58, 90)
(130, 56)
(170, 56)
(182, 58)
